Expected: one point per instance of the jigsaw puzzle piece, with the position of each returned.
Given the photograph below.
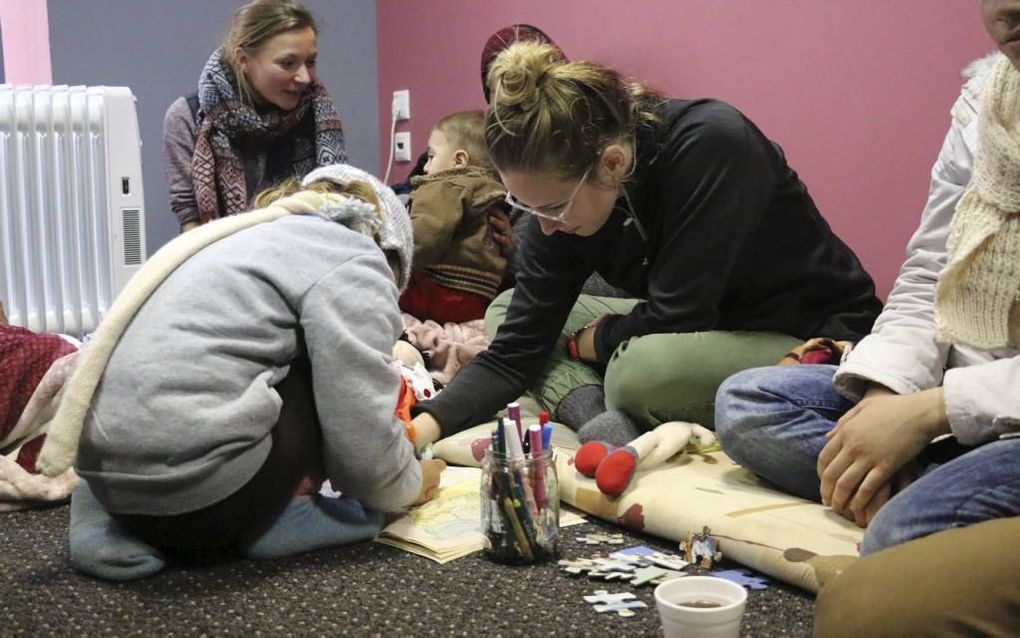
(667, 561)
(647, 575)
(743, 577)
(624, 610)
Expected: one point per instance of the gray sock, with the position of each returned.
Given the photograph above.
(582, 404)
(100, 547)
(613, 426)
(315, 522)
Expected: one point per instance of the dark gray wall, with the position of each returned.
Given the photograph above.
(158, 47)
(2, 72)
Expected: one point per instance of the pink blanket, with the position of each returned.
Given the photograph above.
(33, 370)
(451, 346)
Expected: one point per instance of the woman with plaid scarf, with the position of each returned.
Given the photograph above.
(259, 116)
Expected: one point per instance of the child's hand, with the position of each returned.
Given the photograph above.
(502, 231)
(430, 471)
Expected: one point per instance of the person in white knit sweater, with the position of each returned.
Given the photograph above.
(913, 433)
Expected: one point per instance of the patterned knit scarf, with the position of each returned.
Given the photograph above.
(979, 285)
(226, 125)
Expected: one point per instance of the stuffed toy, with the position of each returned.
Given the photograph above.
(613, 468)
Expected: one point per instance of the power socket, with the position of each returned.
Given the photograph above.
(402, 105)
(402, 146)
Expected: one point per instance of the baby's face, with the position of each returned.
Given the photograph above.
(441, 153)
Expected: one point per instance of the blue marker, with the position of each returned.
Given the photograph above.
(543, 420)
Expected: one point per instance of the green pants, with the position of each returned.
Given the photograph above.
(654, 378)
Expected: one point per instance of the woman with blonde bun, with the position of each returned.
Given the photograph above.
(684, 204)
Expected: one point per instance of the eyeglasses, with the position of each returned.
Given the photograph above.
(558, 217)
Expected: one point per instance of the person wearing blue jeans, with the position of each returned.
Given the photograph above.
(912, 433)
(774, 421)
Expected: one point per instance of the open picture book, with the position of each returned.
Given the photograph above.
(450, 525)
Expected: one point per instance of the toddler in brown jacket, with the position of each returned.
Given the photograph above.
(457, 271)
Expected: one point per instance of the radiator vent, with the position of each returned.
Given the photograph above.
(132, 218)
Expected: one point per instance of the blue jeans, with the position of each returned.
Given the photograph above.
(773, 422)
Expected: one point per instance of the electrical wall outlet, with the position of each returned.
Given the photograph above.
(402, 105)
(402, 146)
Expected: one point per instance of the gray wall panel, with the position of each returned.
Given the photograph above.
(158, 47)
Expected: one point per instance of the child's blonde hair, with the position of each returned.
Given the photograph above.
(356, 189)
(292, 185)
(466, 130)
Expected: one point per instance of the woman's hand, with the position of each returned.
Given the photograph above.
(871, 444)
(186, 226)
(501, 231)
(431, 469)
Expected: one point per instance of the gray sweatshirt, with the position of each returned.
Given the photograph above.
(183, 414)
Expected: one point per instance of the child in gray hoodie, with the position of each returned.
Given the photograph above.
(256, 368)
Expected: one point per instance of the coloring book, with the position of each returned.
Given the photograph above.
(449, 526)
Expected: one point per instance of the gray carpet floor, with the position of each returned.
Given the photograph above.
(366, 589)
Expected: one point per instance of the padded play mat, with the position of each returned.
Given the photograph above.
(791, 539)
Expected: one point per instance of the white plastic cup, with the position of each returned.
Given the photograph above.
(681, 620)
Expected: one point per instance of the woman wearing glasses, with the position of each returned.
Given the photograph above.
(684, 204)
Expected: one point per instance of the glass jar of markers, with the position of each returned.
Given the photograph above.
(520, 506)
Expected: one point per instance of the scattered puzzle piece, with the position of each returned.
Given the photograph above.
(743, 577)
(669, 575)
(598, 539)
(578, 566)
(623, 603)
(647, 575)
(615, 565)
(630, 552)
(624, 610)
(668, 561)
(603, 596)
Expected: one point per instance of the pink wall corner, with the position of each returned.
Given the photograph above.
(857, 93)
(26, 41)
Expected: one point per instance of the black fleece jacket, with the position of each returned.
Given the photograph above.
(726, 237)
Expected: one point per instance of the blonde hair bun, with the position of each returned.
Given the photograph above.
(520, 72)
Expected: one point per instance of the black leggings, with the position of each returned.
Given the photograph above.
(216, 530)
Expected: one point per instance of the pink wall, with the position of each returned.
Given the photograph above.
(857, 93)
(26, 37)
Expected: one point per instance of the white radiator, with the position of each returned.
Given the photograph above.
(72, 217)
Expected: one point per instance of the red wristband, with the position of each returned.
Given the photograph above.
(573, 351)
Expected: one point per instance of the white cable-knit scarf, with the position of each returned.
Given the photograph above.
(979, 284)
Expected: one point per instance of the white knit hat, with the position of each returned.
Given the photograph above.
(395, 228)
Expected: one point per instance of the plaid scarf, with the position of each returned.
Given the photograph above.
(226, 125)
